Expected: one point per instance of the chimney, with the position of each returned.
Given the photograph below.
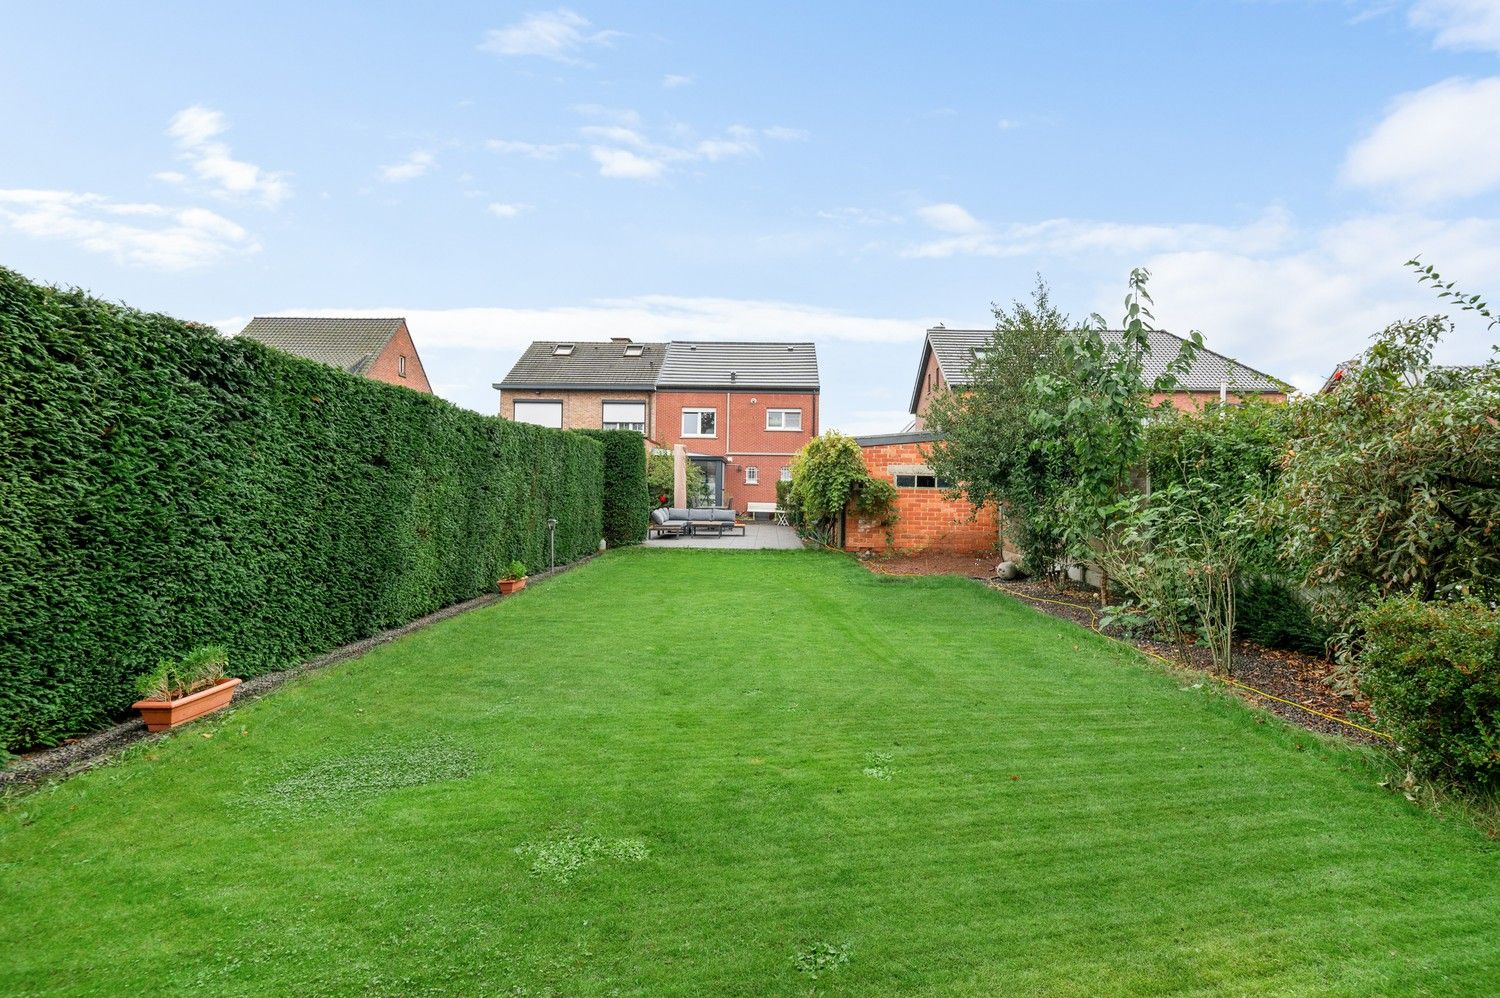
(619, 339)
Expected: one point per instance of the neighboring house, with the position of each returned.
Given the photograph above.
(740, 409)
(947, 355)
(929, 521)
(378, 349)
(584, 386)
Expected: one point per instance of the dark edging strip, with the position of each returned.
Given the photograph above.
(91, 750)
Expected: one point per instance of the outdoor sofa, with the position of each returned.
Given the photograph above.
(675, 521)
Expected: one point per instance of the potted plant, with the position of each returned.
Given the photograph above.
(513, 579)
(176, 692)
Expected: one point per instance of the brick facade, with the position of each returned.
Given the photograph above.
(387, 366)
(581, 410)
(932, 380)
(741, 435)
(927, 519)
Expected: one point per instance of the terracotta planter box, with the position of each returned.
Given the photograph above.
(508, 586)
(160, 715)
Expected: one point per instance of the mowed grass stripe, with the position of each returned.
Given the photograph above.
(1060, 815)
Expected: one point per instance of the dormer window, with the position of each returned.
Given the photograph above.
(634, 349)
(563, 350)
(981, 351)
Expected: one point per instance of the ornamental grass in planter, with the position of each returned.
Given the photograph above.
(514, 578)
(176, 692)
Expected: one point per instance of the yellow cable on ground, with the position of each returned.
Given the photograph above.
(1094, 626)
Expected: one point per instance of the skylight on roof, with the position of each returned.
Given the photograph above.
(634, 349)
(563, 350)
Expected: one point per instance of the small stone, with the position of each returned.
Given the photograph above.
(1007, 571)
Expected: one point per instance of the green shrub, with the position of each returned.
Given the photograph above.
(162, 486)
(1273, 612)
(626, 505)
(1432, 674)
(659, 479)
(515, 571)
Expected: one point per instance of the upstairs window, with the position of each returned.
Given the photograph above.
(634, 349)
(540, 413)
(784, 419)
(625, 416)
(401, 365)
(563, 350)
(699, 422)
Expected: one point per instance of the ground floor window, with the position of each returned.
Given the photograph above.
(922, 482)
(786, 474)
(752, 476)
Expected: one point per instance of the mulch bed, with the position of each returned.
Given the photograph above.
(1303, 679)
(77, 754)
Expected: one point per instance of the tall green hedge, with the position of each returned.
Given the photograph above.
(627, 505)
(163, 487)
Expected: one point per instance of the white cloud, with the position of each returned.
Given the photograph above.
(860, 216)
(967, 236)
(1459, 24)
(195, 130)
(780, 133)
(650, 318)
(134, 233)
(502, 209)
(413, 166)
(1297, 313)
(615, 115)
(861, 421)
(614, 133)
(558, 34)
(1434, 144)
(533, 150)
(673, 80)
(625, 164)
(949, 217)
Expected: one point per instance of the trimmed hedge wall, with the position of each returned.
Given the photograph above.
(163, 487)
(627, 504)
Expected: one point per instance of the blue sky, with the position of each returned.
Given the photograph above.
(848, 173)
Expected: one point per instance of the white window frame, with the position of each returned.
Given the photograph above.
(634, 349)
(782, 414)
(639, 425)
(699, 411)
(786, 473)
(752, 475)
(401, 365)
(516, 411)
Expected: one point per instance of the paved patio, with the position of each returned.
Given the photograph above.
(757, 536)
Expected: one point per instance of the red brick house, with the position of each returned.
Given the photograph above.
(741, 409)
(948, 354)
(928, 520)
(378, 349)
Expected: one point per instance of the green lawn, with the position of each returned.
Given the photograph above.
(689, 772)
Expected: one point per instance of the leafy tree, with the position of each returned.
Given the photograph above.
(1392, 480)
(1051, 425)
(827, 474)
(988, 443)
(659, 478)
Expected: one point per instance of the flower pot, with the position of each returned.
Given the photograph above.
(508, 586)
(160, 715)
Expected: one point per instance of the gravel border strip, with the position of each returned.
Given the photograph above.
(62, 761)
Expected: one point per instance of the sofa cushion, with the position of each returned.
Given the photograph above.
(678, 513)
(723, 515)
(658, 516)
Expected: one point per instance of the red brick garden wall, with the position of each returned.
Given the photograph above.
(928, 520)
